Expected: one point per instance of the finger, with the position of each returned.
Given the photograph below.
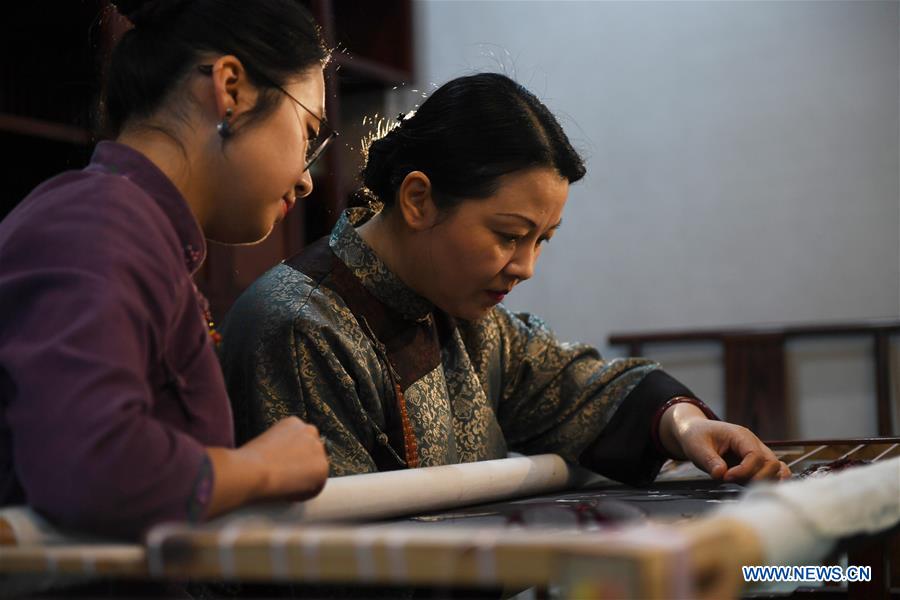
(750, 464)
(784, 472)
(742, 442)
(769, 470)
(717, 468)
(706, 457)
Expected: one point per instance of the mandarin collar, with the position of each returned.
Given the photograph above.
(371, 271)
(118, 159)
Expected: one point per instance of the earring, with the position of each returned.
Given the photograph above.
(223, 127)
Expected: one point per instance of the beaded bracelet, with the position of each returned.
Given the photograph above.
(657, 418)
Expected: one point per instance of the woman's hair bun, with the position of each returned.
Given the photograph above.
(145, 13)
(379, 172)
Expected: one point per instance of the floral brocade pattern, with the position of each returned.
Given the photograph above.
(292, 346)
(370, 270)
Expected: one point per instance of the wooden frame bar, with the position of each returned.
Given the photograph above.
(754, 366)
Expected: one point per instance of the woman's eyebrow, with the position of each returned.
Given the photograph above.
(531, 223)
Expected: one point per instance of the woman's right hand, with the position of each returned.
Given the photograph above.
(292, 455)
(285, 462)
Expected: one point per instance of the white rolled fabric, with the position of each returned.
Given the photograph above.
(372, 495)
(30, 529)
(799, 522)
(412, 491)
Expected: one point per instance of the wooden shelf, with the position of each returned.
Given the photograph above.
(41, 128)
(357, 65)
(378, 31)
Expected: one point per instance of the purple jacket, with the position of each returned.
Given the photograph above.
(109, 383)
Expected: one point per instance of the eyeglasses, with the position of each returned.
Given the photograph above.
(315, 145)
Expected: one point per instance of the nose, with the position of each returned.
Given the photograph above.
(521, 267)
(304, 185)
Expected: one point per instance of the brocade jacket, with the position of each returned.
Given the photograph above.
(332, 336)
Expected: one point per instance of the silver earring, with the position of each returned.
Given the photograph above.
(224, 127)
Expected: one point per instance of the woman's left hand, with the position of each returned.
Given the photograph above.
(686, 432)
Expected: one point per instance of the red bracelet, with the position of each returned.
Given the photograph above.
(654, 427)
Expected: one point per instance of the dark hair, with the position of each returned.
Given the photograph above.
(274, 39)
(465, 136)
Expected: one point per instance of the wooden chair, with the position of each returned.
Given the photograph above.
(754, 367)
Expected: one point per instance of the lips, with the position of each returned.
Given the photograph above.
(288, 201)
(498, 295)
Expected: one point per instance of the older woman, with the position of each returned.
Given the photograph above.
(391, 338)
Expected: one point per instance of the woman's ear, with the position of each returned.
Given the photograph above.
(415, 202)
(231, 87)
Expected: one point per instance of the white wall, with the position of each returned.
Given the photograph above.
(742, 168)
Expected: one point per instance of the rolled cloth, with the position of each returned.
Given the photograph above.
(799, 522)
(373, 495)
(28, 528)
(412, 491)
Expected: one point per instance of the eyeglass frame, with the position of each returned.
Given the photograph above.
(330, 132)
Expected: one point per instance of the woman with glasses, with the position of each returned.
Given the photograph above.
(114, 411)
(391, 338)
